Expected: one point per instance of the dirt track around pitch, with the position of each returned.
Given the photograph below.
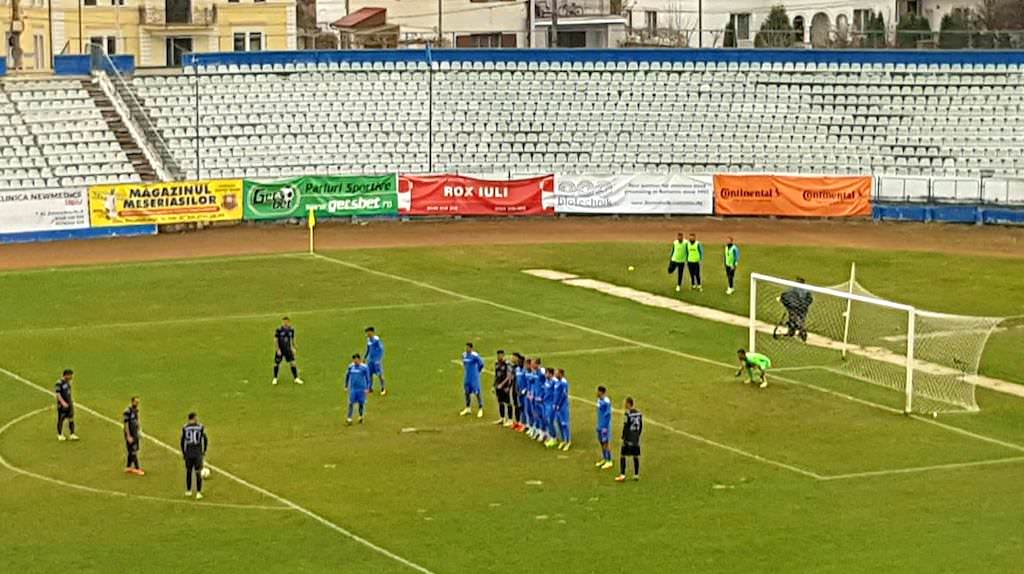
(252, 239)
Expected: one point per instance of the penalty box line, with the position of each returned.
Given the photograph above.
(627, 340)
(689, 435)
(280, 499)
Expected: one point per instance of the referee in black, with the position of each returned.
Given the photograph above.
(193, 447)
(132, 438)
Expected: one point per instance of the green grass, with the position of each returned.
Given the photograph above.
(458, 496)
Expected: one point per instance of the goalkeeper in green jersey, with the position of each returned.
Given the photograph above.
(754, 363)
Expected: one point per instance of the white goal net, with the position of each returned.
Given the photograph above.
(928, 357)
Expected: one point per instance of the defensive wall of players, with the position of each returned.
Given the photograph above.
(137, 208)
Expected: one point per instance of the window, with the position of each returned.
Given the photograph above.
(741, 26)
(111, 45)
(232, 1)
(572, 39)
(40, 51)
(88, 2)
(861, 19)
(652, 22)
(96, 41)
(248, 41)
(495, 40)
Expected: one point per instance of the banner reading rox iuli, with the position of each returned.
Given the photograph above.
(793, 196)
(165, 203)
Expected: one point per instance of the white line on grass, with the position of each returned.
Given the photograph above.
(7, 464)
(156, 263)
(309, 513)
(689, 435)
(650, 346)
(595, 351)
(915, 469)
(242, 317)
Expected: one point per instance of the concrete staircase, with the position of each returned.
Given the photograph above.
(121, 133)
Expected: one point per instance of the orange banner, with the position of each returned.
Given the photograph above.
(793, 196)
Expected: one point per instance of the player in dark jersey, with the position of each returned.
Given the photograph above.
(193, 447)
(65, 406)
(284, 350)
(132, 437)
(504, 381)
(632, 428)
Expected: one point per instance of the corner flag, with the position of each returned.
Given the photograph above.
(311, 219)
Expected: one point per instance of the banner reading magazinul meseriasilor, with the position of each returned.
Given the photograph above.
(330, 196)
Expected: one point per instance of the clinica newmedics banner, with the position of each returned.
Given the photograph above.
(329, 196)
(28, 211)
(634, 194)
(165, 203)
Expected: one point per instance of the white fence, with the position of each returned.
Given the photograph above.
(987, 191)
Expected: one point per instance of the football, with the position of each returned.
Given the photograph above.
(205, 473)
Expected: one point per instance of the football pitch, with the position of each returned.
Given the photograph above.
(814, 474)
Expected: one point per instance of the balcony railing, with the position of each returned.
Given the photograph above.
(185, 16)
(578, 8)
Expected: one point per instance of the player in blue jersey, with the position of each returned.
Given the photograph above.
(537, 403)
(604, 428)
(357, 381)
(375, 359)
(562, 410)
(473, 365)
(531, 384)
(548, 408)
(519, 392)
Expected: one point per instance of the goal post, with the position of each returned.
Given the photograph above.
(927, 357)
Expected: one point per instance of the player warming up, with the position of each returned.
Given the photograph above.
(604, 428)
(473, 365)
(357, 382)
(375, 359)
(284, 350)
(132, 438)
(632, 428)
(65, 406)
(562, 410)
(193, 448)
(732, 261)
(754, 362)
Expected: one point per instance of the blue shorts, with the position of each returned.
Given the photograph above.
(376, 368)
(563, 417)
(471, 389)
(357, 398)
(603, 435)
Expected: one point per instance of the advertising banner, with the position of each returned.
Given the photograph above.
(793, 196)
(461, 195)
(45, 210)
(165, 203)
(634, 194)
(334, 196)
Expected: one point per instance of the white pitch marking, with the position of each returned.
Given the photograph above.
(915, 469)
(7, 464)
(156, 263)
(701, 439)
(642, 344)
(309, 513)
(244, 317)
(595, 351)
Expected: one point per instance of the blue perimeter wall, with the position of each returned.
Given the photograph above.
(975, 57)
(88, 233)
(948, 214)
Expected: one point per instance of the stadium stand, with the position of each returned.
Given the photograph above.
(496, 117)
(54, 135)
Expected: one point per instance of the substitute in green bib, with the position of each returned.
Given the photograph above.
(732, 261)
(677, 260)
(694, 258)
(754, 362)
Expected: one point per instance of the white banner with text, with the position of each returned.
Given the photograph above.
(635, 194)
(26, 211)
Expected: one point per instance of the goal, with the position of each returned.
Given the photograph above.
(930, 358)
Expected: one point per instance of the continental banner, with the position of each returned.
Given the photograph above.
(634, 194)
(793, 196)
(165, 203)
(461, 195)
(332, 196)
(43, 210)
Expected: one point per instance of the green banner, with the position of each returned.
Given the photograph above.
(330, 196)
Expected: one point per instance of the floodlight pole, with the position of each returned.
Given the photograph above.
(700, 23)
